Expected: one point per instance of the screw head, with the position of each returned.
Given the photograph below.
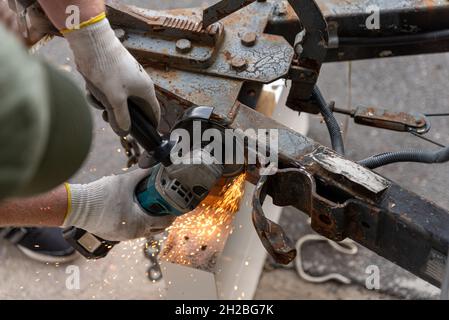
(183, 45)
(249, 39)
(238, 64)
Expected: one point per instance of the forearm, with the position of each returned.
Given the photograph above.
(45, 210)
(56, 10)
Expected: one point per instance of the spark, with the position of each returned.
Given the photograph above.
(200, 234)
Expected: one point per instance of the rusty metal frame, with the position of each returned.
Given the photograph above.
(343, 199)
(346, 200)
(291, 40)
(347, 19)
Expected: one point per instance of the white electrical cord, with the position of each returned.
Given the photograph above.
(346, 247)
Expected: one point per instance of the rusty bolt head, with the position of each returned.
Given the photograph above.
(420, 122)
(238, 64)
(183, 45)
(249, 39)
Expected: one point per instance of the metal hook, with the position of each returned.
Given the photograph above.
(271, 234)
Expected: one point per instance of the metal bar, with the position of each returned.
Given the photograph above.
(223, 9)
(316, 37)
(397, 18)
(346, 200)
(159, 25)
(343, 198)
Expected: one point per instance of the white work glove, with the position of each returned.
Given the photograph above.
(107, 208)
(113, 75)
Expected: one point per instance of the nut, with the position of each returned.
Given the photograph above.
(183, 45)
(239, 64)
(249, 39)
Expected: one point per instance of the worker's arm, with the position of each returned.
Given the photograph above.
(112, 74)
(106, 208)
(56, 10)
(45, 210)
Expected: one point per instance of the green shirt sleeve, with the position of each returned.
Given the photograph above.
(45, 124)
(24, 116)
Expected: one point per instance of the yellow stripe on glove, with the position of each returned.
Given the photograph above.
(69, 200)
(85, 24)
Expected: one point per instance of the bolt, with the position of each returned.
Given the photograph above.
(238, 64)
(183, 45)
(249, 39)
(419, 122)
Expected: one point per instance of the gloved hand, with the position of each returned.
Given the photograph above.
(108, 209)
(113, 75)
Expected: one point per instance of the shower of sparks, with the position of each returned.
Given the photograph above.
(198, 237)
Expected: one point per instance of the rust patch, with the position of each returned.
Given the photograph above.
(233, 112)
(227, 55)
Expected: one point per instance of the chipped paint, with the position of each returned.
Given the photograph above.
(352, 171)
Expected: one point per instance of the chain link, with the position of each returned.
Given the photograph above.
(151, 251)
(132, 150)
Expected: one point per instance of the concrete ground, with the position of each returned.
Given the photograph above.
(410, 84)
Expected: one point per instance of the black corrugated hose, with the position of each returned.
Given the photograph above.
(421, 156)
(331, 122)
